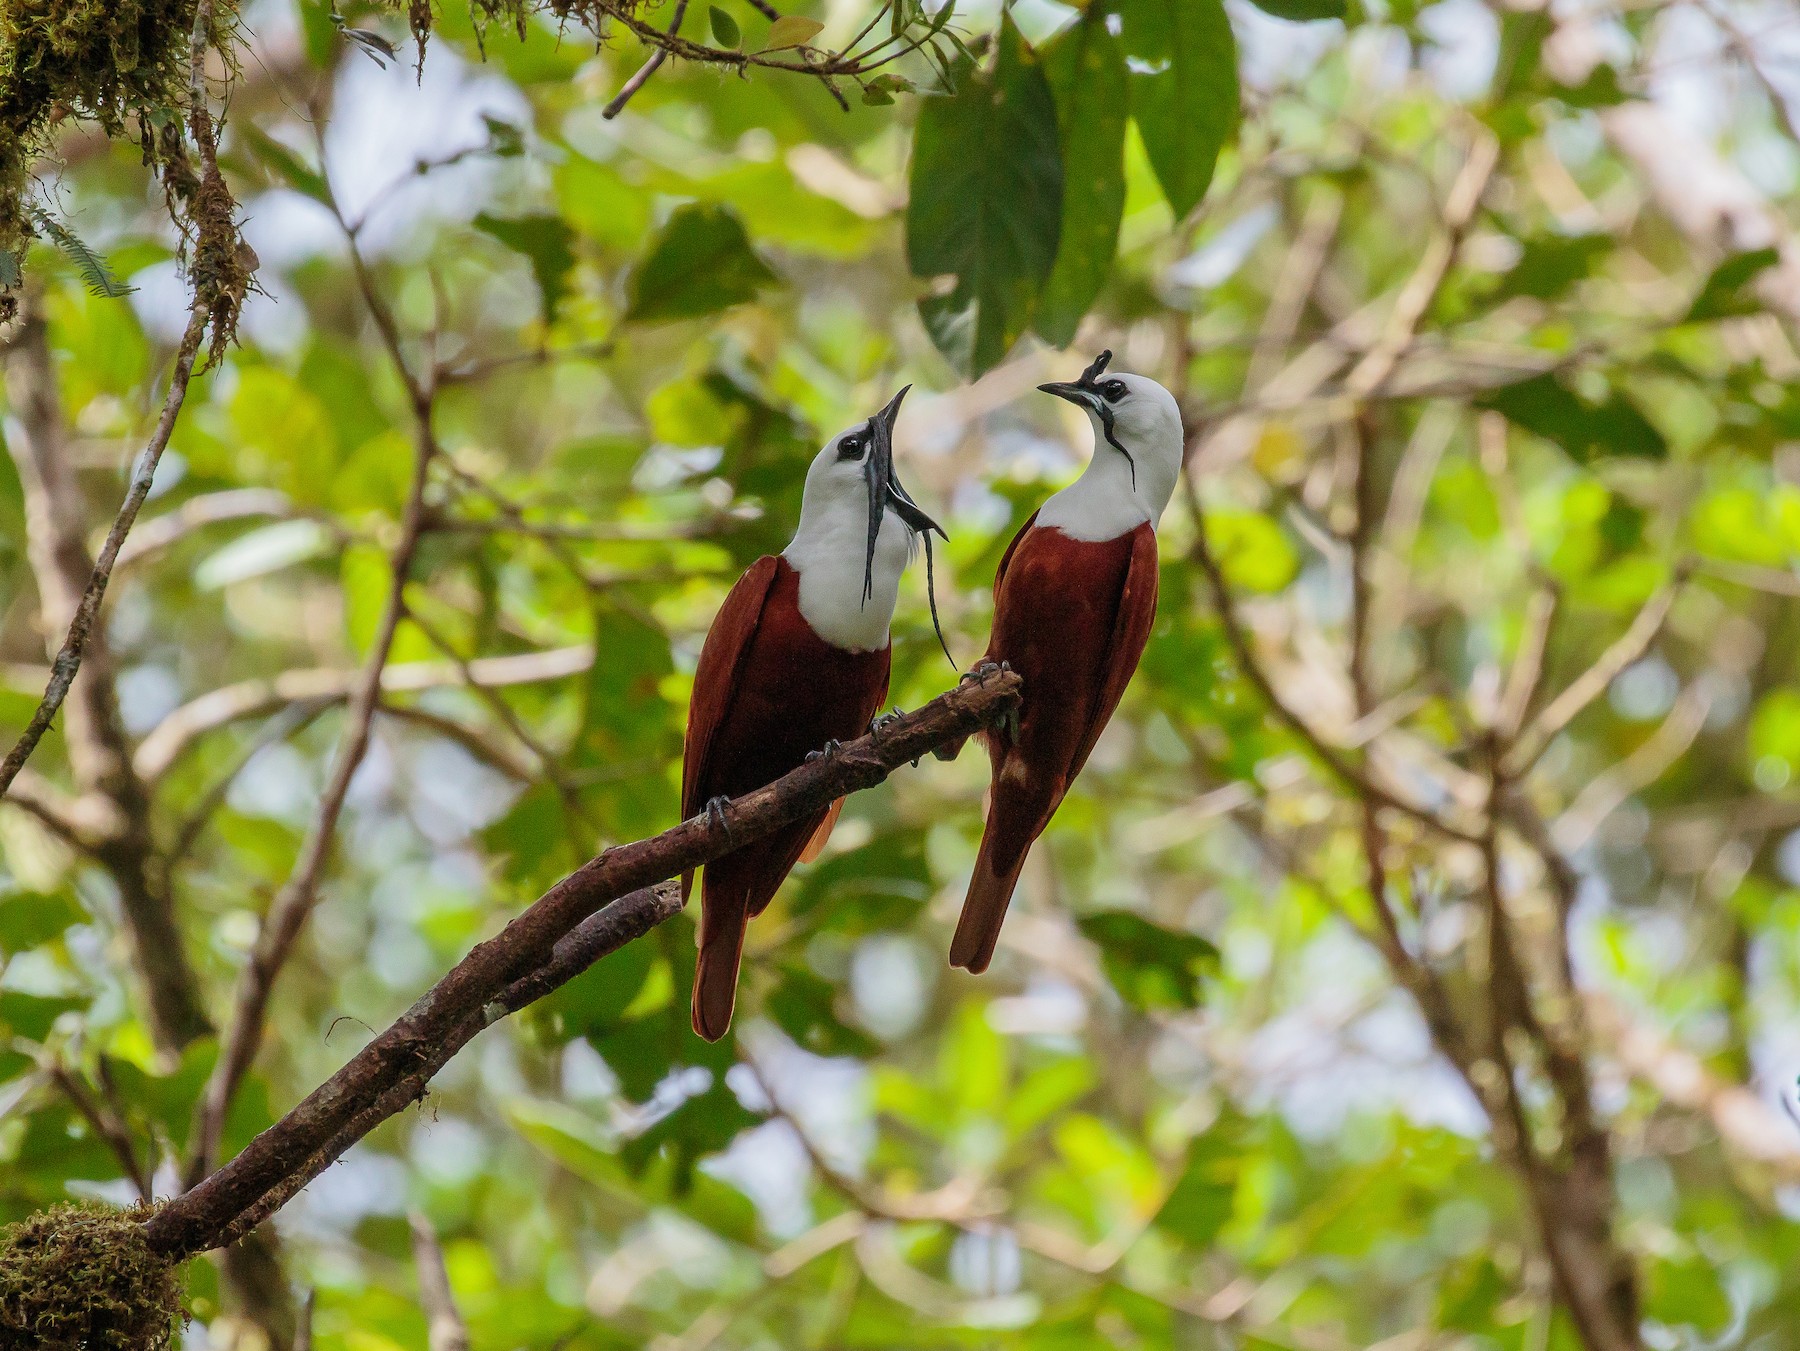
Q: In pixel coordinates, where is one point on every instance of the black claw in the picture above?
(715, 813)
(983, 671)
(882, 721)
(831, 748)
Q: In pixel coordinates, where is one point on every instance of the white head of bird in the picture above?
(855, 535)
(1138, 444)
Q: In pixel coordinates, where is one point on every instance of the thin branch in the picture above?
(553, 940)
(105, 1123)
(111, 810)
(292, 905)
(1421, 288)
(175, 734)
(444, 1326)
(1606, 792)
(143, 474)
(616, 104)
(1238, 640)
(1527, 671)
(236, 504)
(54, 809)
(549, 763)
(283, 725)
(1629, 648)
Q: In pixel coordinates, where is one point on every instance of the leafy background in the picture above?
(1545, 255)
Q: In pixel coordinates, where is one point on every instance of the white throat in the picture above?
(828, 550)
(1105, 502)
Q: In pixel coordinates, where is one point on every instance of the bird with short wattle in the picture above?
(1073, 603)
(796, 660)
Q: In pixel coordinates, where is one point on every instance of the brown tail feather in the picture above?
(722, 923)
(822, 836)
(984, 909)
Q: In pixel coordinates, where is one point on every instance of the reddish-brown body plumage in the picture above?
(767, 690)
(1071, 617)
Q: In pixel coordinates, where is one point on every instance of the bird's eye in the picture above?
(850, 448)
(1113, 390)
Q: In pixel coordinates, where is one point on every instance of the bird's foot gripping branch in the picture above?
(597, 909)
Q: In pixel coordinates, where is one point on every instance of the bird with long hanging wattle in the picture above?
(1073, 603)
(796, 660)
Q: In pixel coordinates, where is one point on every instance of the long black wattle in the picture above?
(878, 495)
(1106, 428)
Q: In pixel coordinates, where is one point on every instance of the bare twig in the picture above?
(1606, 792)
(444, 1326)
(68, 657)
(1628, 648)
(172, 737)
(1328, 755)
(236, 504)
(616, 104)
(292, 905)
(110, 815)
(105, 1123)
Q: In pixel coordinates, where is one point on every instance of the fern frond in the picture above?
(94, 271)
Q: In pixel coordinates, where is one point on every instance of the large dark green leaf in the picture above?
(1549, 408)
(1086, 69)
(1150, 966)
(699, 264)
(544, 240)
(987, 186)
(1184, 90)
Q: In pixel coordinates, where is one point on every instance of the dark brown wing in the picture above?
(1011, 549)
(1137, 612)
(716, 677)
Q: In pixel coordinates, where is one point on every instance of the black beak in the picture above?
(887, 494)
(1072, 390)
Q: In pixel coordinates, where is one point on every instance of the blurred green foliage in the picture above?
(1189, 1106)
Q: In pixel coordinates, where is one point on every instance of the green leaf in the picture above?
(700, 1126)
(94, 271)
(31, 1015)
(505, 141)
(699, 264)
(1184, 90)
(1550, 265)
(1150, 966)
(284, 164)
(725, 29)
(791, 30)
(1203, 1199)
(29, 919)
(1546, 407)
(544, 240)
(880, 91)
(804, 1006)
(1086, 70)
(1726, 291)
(1304, 11)
(593, 1003)
(574, 1140)
(986, 203)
